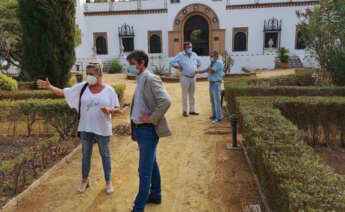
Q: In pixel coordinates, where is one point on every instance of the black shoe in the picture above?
(155, 200)
(212, 117)
(193, 113)
(185, 114)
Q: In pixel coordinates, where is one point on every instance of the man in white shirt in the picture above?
(187, 62)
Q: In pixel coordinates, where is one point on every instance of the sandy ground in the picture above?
(198, 172)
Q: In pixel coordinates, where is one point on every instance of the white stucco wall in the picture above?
(254, 19)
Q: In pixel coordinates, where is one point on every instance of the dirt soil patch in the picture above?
(334, 157)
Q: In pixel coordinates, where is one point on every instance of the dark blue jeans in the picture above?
(150, 179)
(87, 140)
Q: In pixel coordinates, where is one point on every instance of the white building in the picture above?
(241, 27)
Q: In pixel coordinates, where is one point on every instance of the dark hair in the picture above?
(186, 44)
(139, 55)
(215, 53)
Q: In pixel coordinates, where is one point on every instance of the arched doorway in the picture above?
(200, 22)
(196, 30)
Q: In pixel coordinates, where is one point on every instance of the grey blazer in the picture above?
(158, 102)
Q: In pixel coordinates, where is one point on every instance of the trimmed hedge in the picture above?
(250, 86)
(8, 83)
(323, 118)
(27, 94)
(55, 112)
(302, 77)
(44, 94)
(293, 178)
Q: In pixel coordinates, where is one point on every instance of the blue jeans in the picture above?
(215, 96)
(150, 179)
(87, 140)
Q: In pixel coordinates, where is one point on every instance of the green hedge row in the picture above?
(293, 178)
(322, 117)
(55, 112)
(44, 94)
(251, 86)
(302, 77)
(16, 174)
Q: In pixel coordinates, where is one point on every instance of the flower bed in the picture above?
(19, 168)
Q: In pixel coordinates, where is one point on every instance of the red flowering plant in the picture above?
(323, 33)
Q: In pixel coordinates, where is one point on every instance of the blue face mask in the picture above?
(190, 50)
(133, 70)
(212, 60)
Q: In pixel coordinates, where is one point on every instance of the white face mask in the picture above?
(92, 80)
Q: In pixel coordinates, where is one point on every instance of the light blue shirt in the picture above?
(217, 67)
(189, 64)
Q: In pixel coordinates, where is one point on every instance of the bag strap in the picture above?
(81, 93)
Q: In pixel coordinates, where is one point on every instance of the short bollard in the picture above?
(233, 121)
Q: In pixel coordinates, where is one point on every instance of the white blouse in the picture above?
(92, 119)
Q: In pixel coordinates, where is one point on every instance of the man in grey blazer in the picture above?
(150, 103)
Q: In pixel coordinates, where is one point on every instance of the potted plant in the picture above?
(284, 57)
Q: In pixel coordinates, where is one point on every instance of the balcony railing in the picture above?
(124, 5)
(243, 2)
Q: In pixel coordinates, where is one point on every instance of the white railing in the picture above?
(241, 2)
(125, 5)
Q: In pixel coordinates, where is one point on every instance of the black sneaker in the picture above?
(212, 118)
(185, 114)
(193, 113)
(155, 200)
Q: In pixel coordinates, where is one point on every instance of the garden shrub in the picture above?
(293, 178)
(7, 83)
(120, 91)
(44, 94)
(251, 86)
(55, 112)
(115, 66)
(27, 94)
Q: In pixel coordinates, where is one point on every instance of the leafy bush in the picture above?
(323, 33)
(283, 55)
(120, 91)
(115, 66)
(293, 178)
(159, 70)
(7, 83)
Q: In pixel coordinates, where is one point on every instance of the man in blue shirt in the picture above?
(215, 76)
(187, 62)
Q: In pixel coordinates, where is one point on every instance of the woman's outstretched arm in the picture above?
(46, 85)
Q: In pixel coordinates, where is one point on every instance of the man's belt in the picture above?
(213, 82)
(141, 125)
(188, 76)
